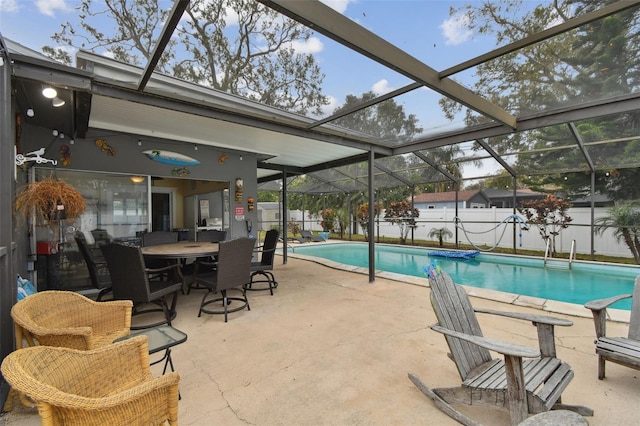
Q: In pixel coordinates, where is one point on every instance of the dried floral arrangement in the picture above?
(45, 196)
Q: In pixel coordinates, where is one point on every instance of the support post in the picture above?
(372, 243)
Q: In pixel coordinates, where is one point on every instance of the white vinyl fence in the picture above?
(483, 229)
(487, 227)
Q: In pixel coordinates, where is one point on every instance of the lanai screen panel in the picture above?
(592, 62)
(612, 142)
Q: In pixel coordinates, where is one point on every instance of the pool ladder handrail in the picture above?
(572, 252)
(546, 251)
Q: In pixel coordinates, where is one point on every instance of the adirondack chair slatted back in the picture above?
(454, 311)
(634, 322)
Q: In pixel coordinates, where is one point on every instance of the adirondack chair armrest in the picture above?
(534, 318)
(545, 327)
(599, 310)
(504, 348)
(598, 305)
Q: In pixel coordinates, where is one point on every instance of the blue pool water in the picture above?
(585, 281)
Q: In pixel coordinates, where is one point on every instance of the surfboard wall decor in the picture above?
(170, 157)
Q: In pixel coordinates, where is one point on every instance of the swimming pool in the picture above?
(513, 274)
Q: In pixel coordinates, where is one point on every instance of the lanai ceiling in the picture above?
(106, 95)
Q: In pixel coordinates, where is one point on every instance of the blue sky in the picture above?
(423, 28)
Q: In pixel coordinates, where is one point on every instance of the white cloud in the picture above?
(49, 7)
(337, 5)
(327, 110)
(381, 87)
(71, 51)
(8, 5)
(455, 30)
(311, 46)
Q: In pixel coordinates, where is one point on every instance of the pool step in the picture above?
(557, 264)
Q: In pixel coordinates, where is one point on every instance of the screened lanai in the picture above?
(483, 122)
(355, 95)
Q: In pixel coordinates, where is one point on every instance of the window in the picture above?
(114, 202)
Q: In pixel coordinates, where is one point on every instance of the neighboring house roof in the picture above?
(520, 193)
(600, 199)
(442, 197)
(269, 205)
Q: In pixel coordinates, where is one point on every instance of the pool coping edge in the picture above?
(547, 305)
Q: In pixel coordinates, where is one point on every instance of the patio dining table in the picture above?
(181, 250)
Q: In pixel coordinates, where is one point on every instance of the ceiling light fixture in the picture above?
(30, 112)
(139, 142)
(49, 92)
(195, 147)
(57, 102)
(54, 132)
(137, 179)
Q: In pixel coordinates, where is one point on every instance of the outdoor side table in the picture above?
(162, 337)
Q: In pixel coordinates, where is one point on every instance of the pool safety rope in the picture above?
(522, 222)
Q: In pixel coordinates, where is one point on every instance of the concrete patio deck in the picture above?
(330, 348)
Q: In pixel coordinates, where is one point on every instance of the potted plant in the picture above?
(52, 200)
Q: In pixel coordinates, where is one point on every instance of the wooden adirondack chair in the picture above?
(519, 387)
(621, 350)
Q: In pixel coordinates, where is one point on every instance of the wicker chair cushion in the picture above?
(111, 385)
(68, 319)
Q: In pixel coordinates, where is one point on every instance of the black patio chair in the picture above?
(155, 238)
(96, 264)
(100, 236)
(309, 236)
(264, 266)
(232, 271)
(207, 236)
(211, 236)
(132, 280)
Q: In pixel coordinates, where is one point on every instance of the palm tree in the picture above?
(626, 221)
(441, 234)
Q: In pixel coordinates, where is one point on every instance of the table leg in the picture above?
(167, 362)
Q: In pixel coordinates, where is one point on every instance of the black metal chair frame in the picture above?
(265, 265)
(232, 272)
(309, 236)
(131, 280)
(94, 265)
(155, 238)
(210, 236)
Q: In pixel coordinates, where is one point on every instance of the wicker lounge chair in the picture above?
(111, 385)
(67, 319)
(71, 320)
(521, 387)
